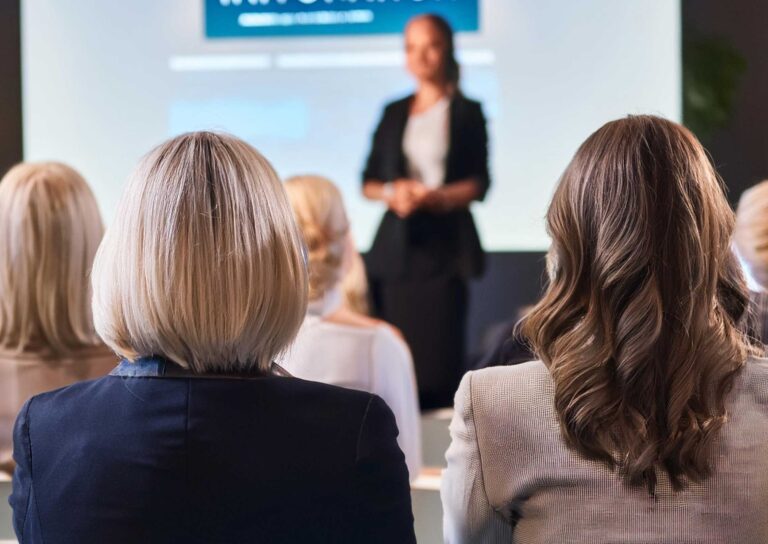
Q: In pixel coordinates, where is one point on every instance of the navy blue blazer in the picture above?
(152, 453)
(426, 244)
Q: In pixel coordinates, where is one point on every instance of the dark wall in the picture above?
(511, 281)
(739, 149)
(10, 84)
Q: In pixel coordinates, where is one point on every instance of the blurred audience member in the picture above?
(50, 228)
(337, 345)
(751, 241)
(504, 344)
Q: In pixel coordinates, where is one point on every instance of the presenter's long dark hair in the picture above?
(452, 72)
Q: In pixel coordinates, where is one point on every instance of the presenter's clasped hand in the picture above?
(435, 200)
(406, 197)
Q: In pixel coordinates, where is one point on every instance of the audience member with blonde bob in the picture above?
(646, 418)
(197, 436)
(50, 228)
(751, 242)
(337, 345)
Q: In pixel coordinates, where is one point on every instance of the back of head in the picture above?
(639, 322)
(751, 233)
(50, 229)
(203, 264)
(319, 211)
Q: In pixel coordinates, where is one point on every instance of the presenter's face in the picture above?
(424, 51)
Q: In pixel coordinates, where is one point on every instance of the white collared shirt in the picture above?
(425, 144)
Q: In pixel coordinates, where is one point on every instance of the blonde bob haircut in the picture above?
(319, 210)
(204, 264)
(50, 228)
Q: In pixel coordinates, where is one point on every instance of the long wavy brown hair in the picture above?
(639, 323)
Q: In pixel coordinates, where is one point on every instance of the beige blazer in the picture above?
(511, 478)
(25, 374)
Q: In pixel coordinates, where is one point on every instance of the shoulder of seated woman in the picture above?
(349, 318)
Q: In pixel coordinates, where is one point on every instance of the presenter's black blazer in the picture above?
(152, 454)
(428, 244)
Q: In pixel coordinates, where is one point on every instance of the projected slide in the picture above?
(548, 73)
(239, 18)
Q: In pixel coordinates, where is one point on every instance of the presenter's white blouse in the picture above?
(425, 144)
(370, 359)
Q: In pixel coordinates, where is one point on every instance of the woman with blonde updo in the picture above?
(751, 241)
(50, 227)
(337, 345)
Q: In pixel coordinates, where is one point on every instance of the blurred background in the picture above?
(97, 83)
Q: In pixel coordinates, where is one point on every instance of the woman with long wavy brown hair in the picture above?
(646, 419)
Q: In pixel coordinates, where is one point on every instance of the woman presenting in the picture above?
(428, 162)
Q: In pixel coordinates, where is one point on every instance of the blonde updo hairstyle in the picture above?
(320, 213)
(751, 233)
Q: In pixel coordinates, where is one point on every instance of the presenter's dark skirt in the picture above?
(432, 314)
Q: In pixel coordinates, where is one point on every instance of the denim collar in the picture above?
(159, 367)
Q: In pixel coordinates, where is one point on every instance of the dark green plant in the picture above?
(712, 73)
